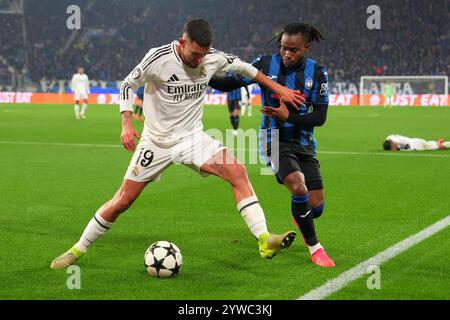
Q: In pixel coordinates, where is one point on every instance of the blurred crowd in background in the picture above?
(414, 38)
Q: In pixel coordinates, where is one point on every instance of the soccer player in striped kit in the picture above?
(298, 168)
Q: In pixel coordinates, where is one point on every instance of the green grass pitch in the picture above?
(373, 200)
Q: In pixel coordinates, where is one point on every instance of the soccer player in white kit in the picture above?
(80, 88)
(175, 77)
(397, 142)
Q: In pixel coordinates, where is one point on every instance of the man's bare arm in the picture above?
(128, 131)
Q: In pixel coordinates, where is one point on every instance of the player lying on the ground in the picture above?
(397, 142)
(176, 77)
(298, 168)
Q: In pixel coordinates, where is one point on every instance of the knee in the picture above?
(235, 173)
(297, 188)
(295, 182)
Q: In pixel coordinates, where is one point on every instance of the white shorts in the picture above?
(150, 160)
(80, 96)
(422, 145)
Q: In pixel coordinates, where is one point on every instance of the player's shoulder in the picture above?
(215, 54)
(164, 47)
(263, 61)
(317, 65)
(320, 71)
(161, 53)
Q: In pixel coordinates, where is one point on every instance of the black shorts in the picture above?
(233, 105)
(291, 159)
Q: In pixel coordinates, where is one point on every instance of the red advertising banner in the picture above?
(221, 99)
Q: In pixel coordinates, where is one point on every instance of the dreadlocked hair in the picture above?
(309, 33)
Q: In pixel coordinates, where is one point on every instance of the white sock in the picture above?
(94, 230)
(314, 248)
(77, 110)
(83, 108)
(253, 215)
(446, 144)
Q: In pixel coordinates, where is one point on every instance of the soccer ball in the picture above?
(163, 259)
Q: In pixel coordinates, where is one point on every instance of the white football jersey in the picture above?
(174, 93)
(413, 144)
(402, 142)
(80, 83)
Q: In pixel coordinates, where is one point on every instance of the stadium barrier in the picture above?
(221, 99)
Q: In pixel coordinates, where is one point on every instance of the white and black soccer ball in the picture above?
(163, 259)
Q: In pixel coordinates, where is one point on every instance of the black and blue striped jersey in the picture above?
(311, 79)
(234, 94)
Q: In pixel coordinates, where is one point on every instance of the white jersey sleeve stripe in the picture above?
(163, 53)
(155, 53)
(127, 88)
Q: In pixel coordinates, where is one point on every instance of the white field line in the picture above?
(356, 153)
(336, 284)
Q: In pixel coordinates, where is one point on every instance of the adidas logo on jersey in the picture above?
(173, 78)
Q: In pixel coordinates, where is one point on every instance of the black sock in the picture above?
(303, 215)
(234, 122)
(139, 111)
